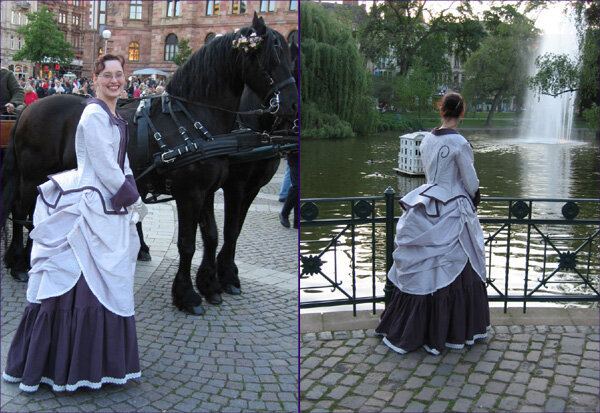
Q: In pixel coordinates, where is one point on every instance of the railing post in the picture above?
(389, 240)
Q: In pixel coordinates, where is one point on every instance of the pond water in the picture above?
(506, 166)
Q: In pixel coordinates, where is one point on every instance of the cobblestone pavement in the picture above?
(239, 356)
(517, 368)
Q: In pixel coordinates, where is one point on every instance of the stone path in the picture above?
(528, 368)
(239, 356)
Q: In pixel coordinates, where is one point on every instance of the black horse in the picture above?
(209, 85)
(243, 183)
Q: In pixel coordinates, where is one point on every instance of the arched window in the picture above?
(293, 37)
(171, 46)
(134, 52)
(209, 38)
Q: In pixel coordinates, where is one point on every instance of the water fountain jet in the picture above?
(549, 119)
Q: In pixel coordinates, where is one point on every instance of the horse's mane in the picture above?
(217, 66)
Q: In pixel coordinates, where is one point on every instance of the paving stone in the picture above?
(555, 405)
(449, 393)
(462, 405)
(438, 406)
(486, 401)
(353, 402)
(401, 398)
(495, 387)
(516, 389)
(509, 403)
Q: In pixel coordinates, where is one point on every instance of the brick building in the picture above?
(146, 33)
(71, 20)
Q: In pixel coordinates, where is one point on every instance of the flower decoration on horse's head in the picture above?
(247, 43)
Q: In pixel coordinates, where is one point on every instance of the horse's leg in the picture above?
(206, 279)
(184, 296)
(15, 257)
(237, 203)
(144, 252)
(23, 211)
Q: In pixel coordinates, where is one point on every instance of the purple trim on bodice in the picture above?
(440, 132)
(120, 123)
(62, 192)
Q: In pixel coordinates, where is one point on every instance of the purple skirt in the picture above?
(72, 341)
(453, 316)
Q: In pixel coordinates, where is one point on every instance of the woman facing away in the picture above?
(439, 298)
(78, 329)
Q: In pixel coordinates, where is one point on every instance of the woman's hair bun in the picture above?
(452, 105)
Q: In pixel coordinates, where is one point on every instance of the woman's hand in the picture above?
(139, 210)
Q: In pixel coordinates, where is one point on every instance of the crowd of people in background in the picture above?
(36, 88)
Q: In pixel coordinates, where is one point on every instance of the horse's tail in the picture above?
(9, 178)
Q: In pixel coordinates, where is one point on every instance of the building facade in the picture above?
(14, 16)
(145, 33)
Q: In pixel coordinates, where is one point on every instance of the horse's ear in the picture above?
(259, 24)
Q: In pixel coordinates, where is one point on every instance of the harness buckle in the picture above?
(157, 136)
(182, 130)
(163, 157)
(274, 104)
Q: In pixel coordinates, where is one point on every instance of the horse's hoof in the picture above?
(144, 256)
(20, 276)
(198, 310)
(214, 299)
(190, 309)
(232, 289)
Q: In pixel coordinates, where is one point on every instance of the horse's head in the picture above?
(267, 67)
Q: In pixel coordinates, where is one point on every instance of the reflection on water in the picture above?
(506, 167)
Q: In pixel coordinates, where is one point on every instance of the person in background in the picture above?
(291, 201)
(439, 298)
(30, 95)
(285, 185)
(13, 96)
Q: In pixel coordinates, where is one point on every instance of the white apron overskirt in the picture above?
(73, 234)
(433, 242)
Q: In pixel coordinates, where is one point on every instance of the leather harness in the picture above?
(240, 146)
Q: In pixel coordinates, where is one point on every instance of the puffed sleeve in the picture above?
(99, 143)
(466, 167)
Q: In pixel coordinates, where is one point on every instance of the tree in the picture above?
(44, 42)
(416, 90)
(557, 73)
(498, 69)
(183, 52)
(334, 91)
(399, 32)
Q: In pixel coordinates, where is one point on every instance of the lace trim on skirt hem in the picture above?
(71, 387)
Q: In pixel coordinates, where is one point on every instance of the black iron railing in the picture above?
(538, 249)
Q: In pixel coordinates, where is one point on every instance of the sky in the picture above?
(548, 20)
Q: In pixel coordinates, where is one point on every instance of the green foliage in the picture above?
(415, 91)
(556, 74)
(388, 123)
(183, 52)
(335, 87)
(592, 116)
(396, 34)
(323, 125)
(499, 68)
(43, 40)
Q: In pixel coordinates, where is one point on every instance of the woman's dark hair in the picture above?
(452, 105)
(99, 64)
